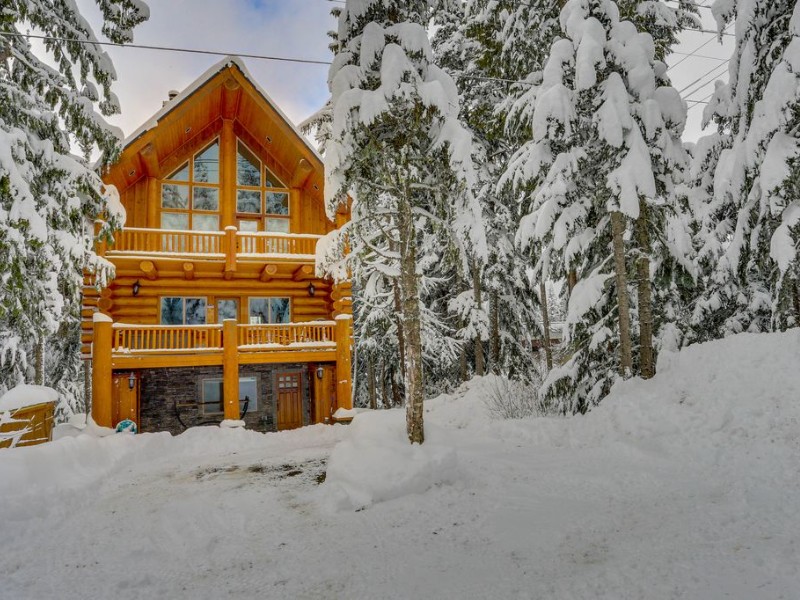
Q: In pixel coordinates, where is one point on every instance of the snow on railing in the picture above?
(134, 240)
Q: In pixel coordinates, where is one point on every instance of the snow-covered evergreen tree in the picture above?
(49, 198)
(490, 48)
(399, 150)
(749, 216)
(604, 159)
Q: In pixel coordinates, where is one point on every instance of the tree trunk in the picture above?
(410, 317)
(647, 364)
(495, 317)
(373, 394)
(572, 281)
(623, 306)
(401, 341)
(548, 352)
(397, 400)
(463, 371)
(476, 290)
(38, 363)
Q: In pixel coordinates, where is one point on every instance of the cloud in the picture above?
(290, 28)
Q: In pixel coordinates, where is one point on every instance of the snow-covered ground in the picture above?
(687, 486)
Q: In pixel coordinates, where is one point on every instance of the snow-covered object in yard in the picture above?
(376, 463)
(605, 128)
(24, 395)
(748, 216)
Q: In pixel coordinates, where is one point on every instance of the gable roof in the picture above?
(226, 87)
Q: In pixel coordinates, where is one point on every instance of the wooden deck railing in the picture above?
(182, 338)
(276, 243)
(231, 243)
(318, 333)
(132, 240)
(166, 338)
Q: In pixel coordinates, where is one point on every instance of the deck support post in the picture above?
(230, 252)
(344, 386)
(101, 370)
(230, 369)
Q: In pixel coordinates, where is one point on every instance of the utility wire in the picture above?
(50, 38)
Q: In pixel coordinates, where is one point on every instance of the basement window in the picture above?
(211, 402)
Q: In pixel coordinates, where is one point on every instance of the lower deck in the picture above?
(272, 397)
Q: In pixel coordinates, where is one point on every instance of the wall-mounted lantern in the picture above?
(311, 289)
(320, 372)
(131, 381)
(136, 287)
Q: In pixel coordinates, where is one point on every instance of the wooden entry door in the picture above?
(289, 388)
(125, 403)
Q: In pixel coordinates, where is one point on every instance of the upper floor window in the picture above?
(262, 200)
(190, 195)
(183, 311)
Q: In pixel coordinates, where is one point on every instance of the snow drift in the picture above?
(376, 463)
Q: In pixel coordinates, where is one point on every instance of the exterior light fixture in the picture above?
(311, 289)
(136, 287)
(131, 381)
(320, 372)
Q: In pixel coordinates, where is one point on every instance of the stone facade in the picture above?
(170, 397)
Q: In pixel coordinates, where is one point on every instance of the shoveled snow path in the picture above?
(523, 522)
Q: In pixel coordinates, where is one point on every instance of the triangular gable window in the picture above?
(262, 200)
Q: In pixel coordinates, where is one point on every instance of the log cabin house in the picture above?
(216, 311)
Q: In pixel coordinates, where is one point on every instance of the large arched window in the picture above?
(262, 200)
(190, 195)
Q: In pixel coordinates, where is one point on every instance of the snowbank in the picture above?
(27, 395)
(376, 463)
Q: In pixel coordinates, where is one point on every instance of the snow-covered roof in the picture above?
(226, 62)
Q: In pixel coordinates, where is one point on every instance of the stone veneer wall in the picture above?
(161, 388)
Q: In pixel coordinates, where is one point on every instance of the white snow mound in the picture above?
(376, 462)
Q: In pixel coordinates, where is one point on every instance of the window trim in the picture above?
(191, 184)
(269, 305)
(184, 298)
(252, 406)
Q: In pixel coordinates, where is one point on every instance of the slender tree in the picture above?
(398, 149)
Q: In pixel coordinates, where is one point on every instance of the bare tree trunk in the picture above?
(463, 371)
(373, 395)
(476, 290)
(495, 318)
(395, 388)
(401, 341)
(548, 351)
(623, 306)
(38, 364)
(647, 364)
(411, 322)
(572, 281)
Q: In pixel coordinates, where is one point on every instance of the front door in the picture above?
(290, 400)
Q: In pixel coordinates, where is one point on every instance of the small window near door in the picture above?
(211, 402)
(269, 310)
(227, 308)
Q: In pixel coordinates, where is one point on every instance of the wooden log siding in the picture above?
(317, 334)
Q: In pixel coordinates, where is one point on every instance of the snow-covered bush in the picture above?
(511, 399)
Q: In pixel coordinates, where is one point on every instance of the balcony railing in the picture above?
(224, 244)
(316, 334)
(135, 339)
(166, 338)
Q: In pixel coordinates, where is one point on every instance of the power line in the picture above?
(306, 61)
(703, 76)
